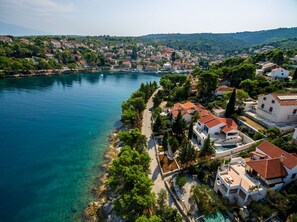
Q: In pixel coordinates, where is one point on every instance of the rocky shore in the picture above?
(101, 208)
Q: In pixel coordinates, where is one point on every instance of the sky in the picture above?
(141, 17)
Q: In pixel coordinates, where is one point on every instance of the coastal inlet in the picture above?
(53, 131)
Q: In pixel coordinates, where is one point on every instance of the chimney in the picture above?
(282, 157)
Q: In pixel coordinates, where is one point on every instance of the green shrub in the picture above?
(181, 180)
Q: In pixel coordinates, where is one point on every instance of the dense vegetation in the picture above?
(265, 36)
(213, 43)
(283, 202)
(133, 107)
(224, 43)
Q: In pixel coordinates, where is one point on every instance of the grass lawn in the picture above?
(252, 123)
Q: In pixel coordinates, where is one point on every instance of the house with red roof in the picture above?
(268, 169)
(272, 165)
(220, 130)
(221, 90)
(56, 43)
(5, 39)
(187, 110)
(278, 108)
(126, 64)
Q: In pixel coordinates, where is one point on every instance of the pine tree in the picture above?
(179, 126)
(295, 75)
(165, 141)
(190, 134)
(230, 109)
(207, 148)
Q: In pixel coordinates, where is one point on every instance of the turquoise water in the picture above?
(224, 148)
(53, 133)
(216, 217)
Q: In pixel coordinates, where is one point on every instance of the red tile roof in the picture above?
(213, 122)
(188, 105)
(189, 108)
(206, 119)
(230, 124)
(268, 168)
(203, 112)
(273, 151)
(286, 102)
(224, 88)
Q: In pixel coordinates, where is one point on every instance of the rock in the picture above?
(90, 212)
(107, 208)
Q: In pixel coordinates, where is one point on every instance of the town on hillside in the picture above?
(37, 55)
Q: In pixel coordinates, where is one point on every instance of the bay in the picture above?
(53, 133)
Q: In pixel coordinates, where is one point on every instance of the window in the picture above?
(293, 176)
(270, 109)
(294, 111)
(264, 98)
(272, 101)
(262, 106)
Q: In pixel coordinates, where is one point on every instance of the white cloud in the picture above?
(34, 8)
(37, 14)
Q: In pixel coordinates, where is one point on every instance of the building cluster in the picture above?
(138, 57)
(272, 71)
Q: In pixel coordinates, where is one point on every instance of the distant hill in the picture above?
(260, 37)
(198, 42)
(9, 29)
(224, 43)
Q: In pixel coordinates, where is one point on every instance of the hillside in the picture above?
(205, 42)
(265, 36)
(224, 43)
(9, 29)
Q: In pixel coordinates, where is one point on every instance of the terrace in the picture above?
(217, 138)
(234, 182)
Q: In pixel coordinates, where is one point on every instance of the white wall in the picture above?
(278, 114)
(290, 173)
(295, 134)
(280, 73)
(215, 129)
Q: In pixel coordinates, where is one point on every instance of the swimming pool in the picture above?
(215, 217)
(224, 148)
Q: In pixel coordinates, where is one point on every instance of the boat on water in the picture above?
(101, 75)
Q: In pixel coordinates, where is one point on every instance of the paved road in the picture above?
(147, 131)
(154, 167)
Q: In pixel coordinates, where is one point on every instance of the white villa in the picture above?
(278, 108)
(279, 73)
(221, 130)
(243, 180)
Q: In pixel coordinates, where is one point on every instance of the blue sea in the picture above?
(53, 134)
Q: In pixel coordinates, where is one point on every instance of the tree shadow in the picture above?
(151, 143)
(156, 173)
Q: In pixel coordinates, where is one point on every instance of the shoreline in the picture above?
(100, 190)
(91, 70)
